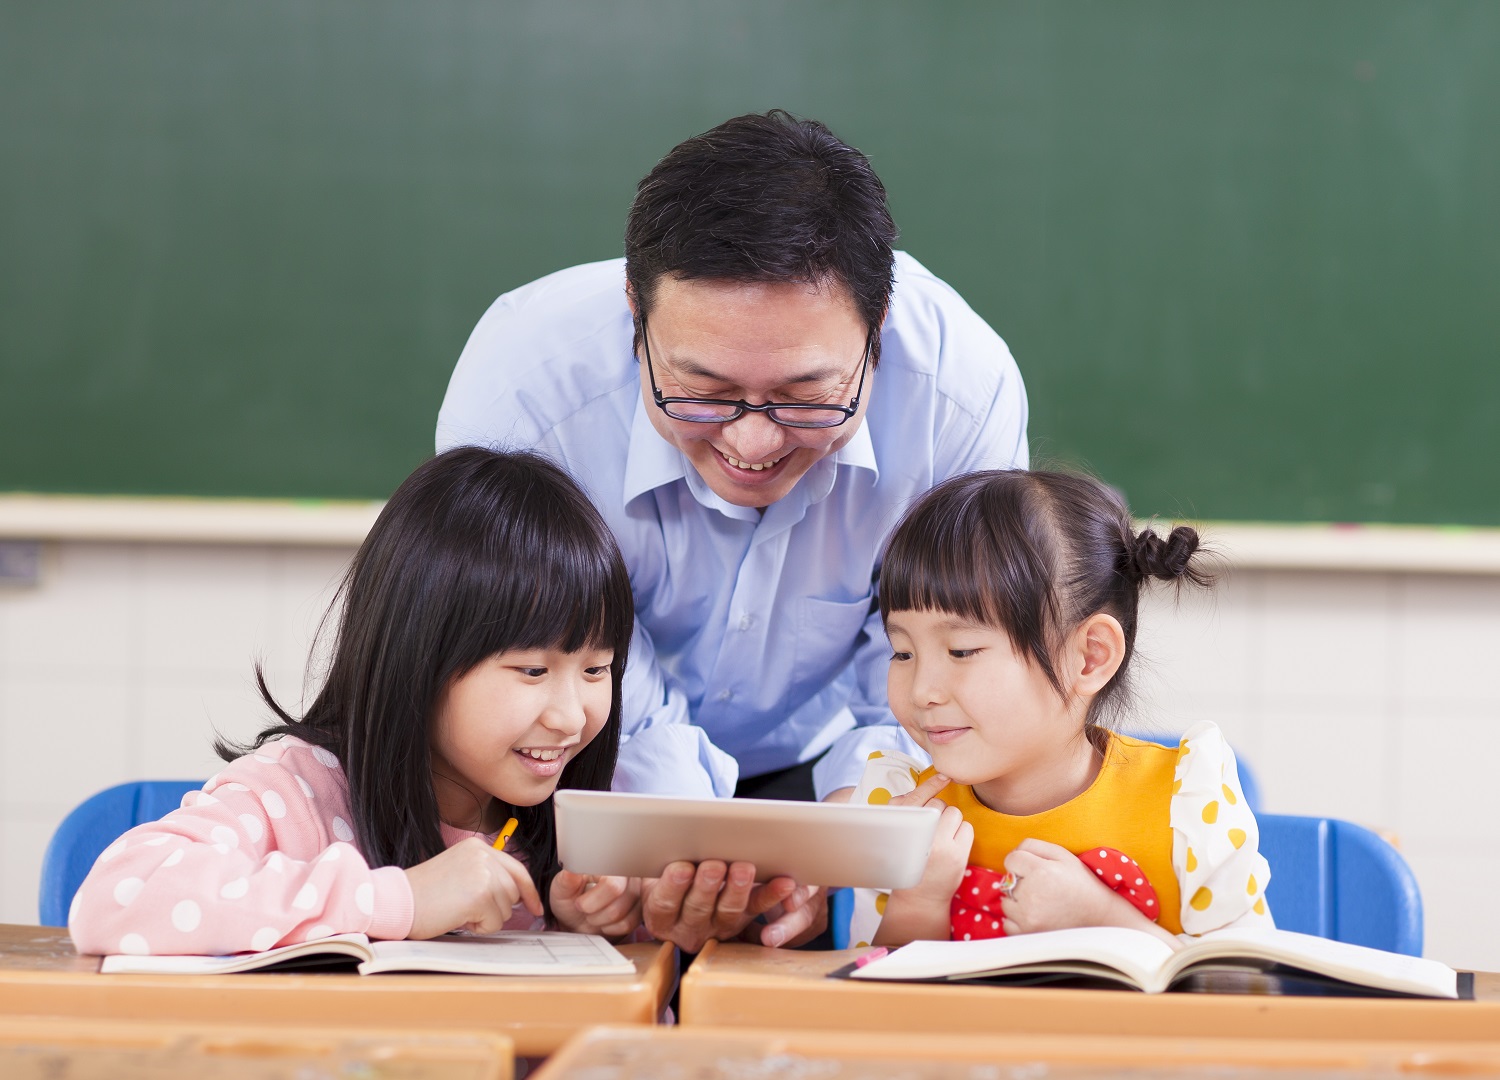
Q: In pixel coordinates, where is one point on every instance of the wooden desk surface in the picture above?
(54, 1048)
(705, 1053)
(41, 975)
(737, 985)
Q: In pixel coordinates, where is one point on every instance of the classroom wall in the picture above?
(1355, 694)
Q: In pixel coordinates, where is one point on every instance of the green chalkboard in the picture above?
(1247, 254)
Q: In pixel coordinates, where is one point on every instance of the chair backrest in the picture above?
(91, 827)
(1339, 880)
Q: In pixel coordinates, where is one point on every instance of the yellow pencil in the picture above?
(510, 827)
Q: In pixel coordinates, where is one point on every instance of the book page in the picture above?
(510, 952)
(1138, 956)
(352, 945)
(1335, 959)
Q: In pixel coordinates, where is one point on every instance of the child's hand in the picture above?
(471, 886)
(921, 912)
(1054, 890)
(609, 906)
(925, 793)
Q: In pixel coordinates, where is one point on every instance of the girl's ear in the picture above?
(1098, 652)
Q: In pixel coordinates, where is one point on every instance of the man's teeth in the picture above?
(755, 467)
(543, 755)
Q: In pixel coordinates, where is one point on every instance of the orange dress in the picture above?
(1178, 812)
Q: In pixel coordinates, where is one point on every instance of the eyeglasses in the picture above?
(788, 414)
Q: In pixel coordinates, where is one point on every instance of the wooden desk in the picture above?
(735, 1053)
(49, 1048)
(41, 975)
(735, 985)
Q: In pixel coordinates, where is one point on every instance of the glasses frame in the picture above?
(742, 407)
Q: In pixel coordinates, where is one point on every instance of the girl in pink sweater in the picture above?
(477, 668)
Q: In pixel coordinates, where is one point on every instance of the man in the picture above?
(751, 399)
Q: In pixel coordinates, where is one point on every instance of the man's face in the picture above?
(756, 343)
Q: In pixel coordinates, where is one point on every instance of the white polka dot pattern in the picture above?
(268, 855)
(134, 945)
(186, 915)
(252, 826)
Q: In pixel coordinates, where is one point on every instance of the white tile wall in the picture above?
(1359, 695)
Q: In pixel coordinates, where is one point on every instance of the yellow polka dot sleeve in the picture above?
(887, 775)
(1215, 841)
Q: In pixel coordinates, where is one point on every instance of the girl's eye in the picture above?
(962, 654)
(596, 672)
(533, 672)
(895, 656)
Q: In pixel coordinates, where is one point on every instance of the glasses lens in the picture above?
(809, 418)
(700, 412)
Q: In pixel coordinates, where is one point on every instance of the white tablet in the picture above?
(832, 844)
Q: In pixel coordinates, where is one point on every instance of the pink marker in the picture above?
(873, 954)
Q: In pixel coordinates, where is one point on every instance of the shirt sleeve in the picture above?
(1215, 840)
(662, 752)
(246, 864)
(886, 776)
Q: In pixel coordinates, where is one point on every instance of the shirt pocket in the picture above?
(828, 632)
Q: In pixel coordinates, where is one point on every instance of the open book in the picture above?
(1138, 959)
(510, 952)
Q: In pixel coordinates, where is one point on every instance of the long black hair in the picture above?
(1034, 553)
(476, 553)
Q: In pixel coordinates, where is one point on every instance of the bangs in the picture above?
(568, 596)
(554, 580)
(972, 548)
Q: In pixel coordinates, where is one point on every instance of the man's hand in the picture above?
(608, 906)
(689, 906)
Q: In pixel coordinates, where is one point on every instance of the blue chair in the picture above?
(1339, 880)
(91, 827)
(1329, 877)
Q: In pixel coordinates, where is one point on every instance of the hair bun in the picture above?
(1169, 558)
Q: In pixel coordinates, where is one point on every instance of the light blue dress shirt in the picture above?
(758, 641)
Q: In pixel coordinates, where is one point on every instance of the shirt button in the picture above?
(725, 695)
(747, 621)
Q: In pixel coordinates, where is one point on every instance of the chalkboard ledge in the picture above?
(117, 518)
(1244, 545)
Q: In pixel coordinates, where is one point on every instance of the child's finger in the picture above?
(568, 886)
(598, 893)
(1044, 849)
(1021, 862)
(923, 791)
(520, 879)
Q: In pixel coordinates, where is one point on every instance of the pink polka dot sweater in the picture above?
(262, 856)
